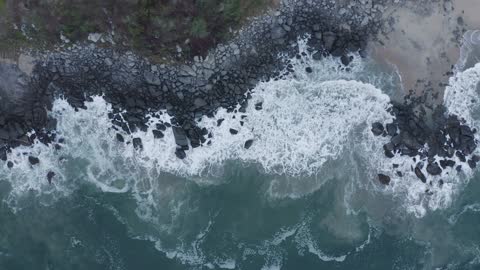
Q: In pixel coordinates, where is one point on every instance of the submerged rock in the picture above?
(33, 160)
(384, 179)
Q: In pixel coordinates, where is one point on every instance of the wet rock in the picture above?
(10, 164)
(233, 131)
(308, 70)
(50, 176)
(389, 154)
(161, 127)
(180, 137)
(461, 156)
(384, 179)
(447, 163)
(199, 102)
(391, 129)
(434, 169)
(346, 60)
(328, 40)
(120, 138)
(472, 164)
(220, 121)
(157, 134)
(420, 175)
(258, 106)
(377, 129)
(33, 160)
(180, 153)
(137, 143)
(440, 183)
(248, 144)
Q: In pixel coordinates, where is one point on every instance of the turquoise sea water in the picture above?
(305, 196)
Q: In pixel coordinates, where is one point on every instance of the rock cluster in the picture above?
(136, 88)
(436, 143)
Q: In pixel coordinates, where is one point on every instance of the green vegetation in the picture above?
(151, 27)
(3, 5)
(199, 28)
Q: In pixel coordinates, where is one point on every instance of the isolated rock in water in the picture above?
(259, 106)
(308, 69)
(10, 164)
(220, 121)
(33, 160)
(248, 144)
(434, 169)
(384, 179)
(50, 176)
(120, 138)
(420, 175)
(447, 163)
(233, 131)
(137, 143)
(377, 129)
(180, 153)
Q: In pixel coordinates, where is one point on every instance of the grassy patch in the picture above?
(3, 5)
(199, 28)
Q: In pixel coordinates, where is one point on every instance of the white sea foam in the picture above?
(307, 121)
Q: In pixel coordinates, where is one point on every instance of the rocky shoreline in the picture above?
(223, 79)
(434, 142)
(135, 87)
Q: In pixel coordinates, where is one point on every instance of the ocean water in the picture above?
(304, 196)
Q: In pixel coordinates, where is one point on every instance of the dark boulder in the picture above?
(161, 127)
(472, 163)
(220, 121)
(50, 176)
(258, 106)
(157, 134)
(461, 156)
(137, 143)
(377, 129)
(434, 169)
(389, 154)
(308, 69)
(447, 163)
(180, 153)
(248, 144)
(346, 60)
(233, 131)
(10, 164)
(180, 137)
(33, 160)
(391, 129)
(420, 175)
(384, 179)
(120, 137)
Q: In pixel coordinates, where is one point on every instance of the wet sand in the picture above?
(424, 42)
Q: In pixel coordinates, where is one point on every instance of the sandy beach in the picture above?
(424, 42)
